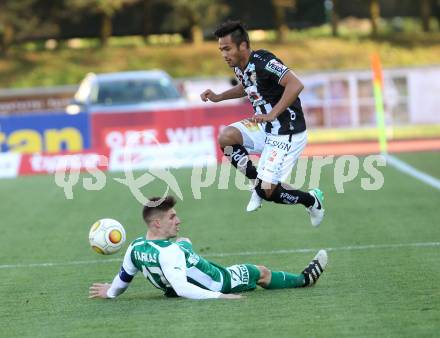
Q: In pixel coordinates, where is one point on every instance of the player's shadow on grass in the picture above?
(142, 297)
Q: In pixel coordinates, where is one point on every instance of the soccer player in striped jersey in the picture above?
(277, 131)
(177, 270)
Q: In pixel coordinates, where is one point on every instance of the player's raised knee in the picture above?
(229, 136)
(265, 190)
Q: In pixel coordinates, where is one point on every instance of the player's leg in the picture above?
(240, 278)
(234, 141)
(316, 267)
(276, 163)
(237, 141)
(282, 280)
(282, 193)
(279, 279)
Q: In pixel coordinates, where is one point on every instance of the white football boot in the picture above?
(316, 211)
(255, 202)
(315, 269)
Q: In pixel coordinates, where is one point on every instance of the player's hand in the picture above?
(230, 296)
(260, 118)
(99, 290)
(208, 94)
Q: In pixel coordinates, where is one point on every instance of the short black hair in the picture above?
(236, 29)
(157, 204)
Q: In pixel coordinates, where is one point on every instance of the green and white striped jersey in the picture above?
(176, 269)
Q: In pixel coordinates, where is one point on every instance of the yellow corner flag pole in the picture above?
(378, 99)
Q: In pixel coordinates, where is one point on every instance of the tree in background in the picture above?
(8, 16)
(147, 17)
(374, 16)
(280, 7)
(195, 15)
(331, 10)
(425, 13)
(106, 9)
(21, 20)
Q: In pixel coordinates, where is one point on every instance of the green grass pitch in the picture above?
(376, 284)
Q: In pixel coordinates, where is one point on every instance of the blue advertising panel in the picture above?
(51, 133)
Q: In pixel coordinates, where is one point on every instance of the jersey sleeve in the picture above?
(172, 262)
(127, 264)
(185, 244)
(126, 274)
(272, 68)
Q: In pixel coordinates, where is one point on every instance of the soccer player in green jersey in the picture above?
(177, 270)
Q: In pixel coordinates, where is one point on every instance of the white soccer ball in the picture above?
(107, 236)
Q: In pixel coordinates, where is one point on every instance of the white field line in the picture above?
(244, 253)
(410, 170)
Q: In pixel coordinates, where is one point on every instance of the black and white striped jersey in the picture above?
(261, 81)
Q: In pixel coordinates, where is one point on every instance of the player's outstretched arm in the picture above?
(233, 93)
(120, 283)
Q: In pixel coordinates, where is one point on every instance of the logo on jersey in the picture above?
(193, 258)
(275, 67)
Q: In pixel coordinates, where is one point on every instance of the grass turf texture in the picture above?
(373, 292)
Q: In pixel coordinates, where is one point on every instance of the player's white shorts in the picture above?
(279, 153)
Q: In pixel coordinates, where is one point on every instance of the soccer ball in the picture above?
(107, 236)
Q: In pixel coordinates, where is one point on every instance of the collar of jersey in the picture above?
(249, 60)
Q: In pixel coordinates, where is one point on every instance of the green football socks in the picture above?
(285, 280)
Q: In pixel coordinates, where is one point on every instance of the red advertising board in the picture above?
(32, 164)
(170, 138)
(183, 126)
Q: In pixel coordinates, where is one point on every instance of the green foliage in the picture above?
(15, 12)
(307, 50)
(201, 12)
(374, 292)
(195, 14)
(28, 19)
(107, 7)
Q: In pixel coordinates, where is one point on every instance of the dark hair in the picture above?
(157, 204)
(236, 29)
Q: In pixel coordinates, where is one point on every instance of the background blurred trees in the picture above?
(106, 9)
(374, 16)
(26, 20)
(280, 9)
(425, 14)
(193, 16)
(332, 9)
